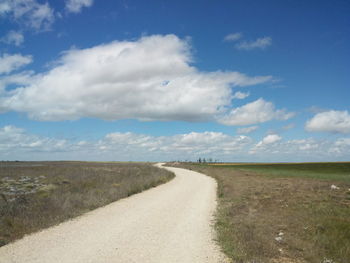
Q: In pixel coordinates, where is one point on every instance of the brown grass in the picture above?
(37, 195)
(314, 221)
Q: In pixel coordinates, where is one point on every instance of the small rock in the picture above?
(334, 187)
(280, 233)
(278, 239)
(326, 260)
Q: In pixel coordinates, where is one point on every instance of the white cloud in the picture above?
(300, 150)
(258, 111)
(343, 142)
(4, 7)
(148, 79)
(9, 63)
(208, 143)
(13, 37)
(241, 95)
(246, 130)
(233, 37)
(15, 140)
(340, 146)
(260, 43)
(16, 143)
(29, 13)
(75, 6)
(185, 145)
(329, 121)
(271, 138)
(22, 78)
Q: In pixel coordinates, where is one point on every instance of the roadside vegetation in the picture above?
(36, 195)
(282, 212)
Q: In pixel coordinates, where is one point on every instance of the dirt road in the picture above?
(169, 223)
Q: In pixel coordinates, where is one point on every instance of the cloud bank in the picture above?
(16, 143)
(151, 78)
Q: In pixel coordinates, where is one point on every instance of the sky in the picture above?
(160, 80)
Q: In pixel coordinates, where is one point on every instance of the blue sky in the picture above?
(174, 80)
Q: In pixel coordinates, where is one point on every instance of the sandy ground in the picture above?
(169, 223)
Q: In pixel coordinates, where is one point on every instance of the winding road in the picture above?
(168, 223)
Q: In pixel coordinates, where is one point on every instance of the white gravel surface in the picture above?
(169, 223)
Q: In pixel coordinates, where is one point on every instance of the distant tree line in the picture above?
(208, 160)
(200, 160)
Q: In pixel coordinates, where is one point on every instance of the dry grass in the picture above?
(36, 195)
(310, 221)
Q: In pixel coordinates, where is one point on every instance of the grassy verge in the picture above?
(322, 171)
(36, 195)
(277, 213)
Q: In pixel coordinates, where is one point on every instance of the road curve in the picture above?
(169, 223)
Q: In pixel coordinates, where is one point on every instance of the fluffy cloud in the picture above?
(302, 150)
(260, 43)
(182, 145)
(271, 138)
(241, 95)
(342, 142)
(14, 140)
(30, 13)
(123, 146)
(233, 37)
(16, 143)
(341, 146)
(22, 78)
(246, 130)
(75, 6)
(258, 111)
(9, 63)
(148, 79)
(329, 121)
(13, 37)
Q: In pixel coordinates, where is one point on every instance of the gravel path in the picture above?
(169, 223)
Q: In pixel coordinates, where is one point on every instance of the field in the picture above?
(323, 171)
(282, 212)
(36, 195)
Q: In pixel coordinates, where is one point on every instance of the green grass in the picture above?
(257, 201)
(321, 171)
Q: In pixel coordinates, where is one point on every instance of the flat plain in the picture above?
(291, 212)
(169, 223)
(37, 195)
